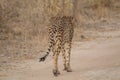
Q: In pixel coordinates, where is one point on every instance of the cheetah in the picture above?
(60, 39)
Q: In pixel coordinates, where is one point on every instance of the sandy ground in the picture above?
(91, 60)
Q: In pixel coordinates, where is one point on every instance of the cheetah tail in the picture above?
(44, 57)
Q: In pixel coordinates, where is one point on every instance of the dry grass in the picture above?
(23, 23)
(22, 28)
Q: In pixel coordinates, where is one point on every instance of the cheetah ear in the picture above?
(52, 19)
(72, 19)
(63, 17)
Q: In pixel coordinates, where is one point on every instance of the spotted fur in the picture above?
(60, 39)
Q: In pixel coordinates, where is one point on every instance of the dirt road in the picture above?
(91, 60)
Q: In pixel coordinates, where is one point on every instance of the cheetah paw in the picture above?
(56, 72)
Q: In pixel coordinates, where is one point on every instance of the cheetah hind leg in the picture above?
(67, 66)
(68, 69)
